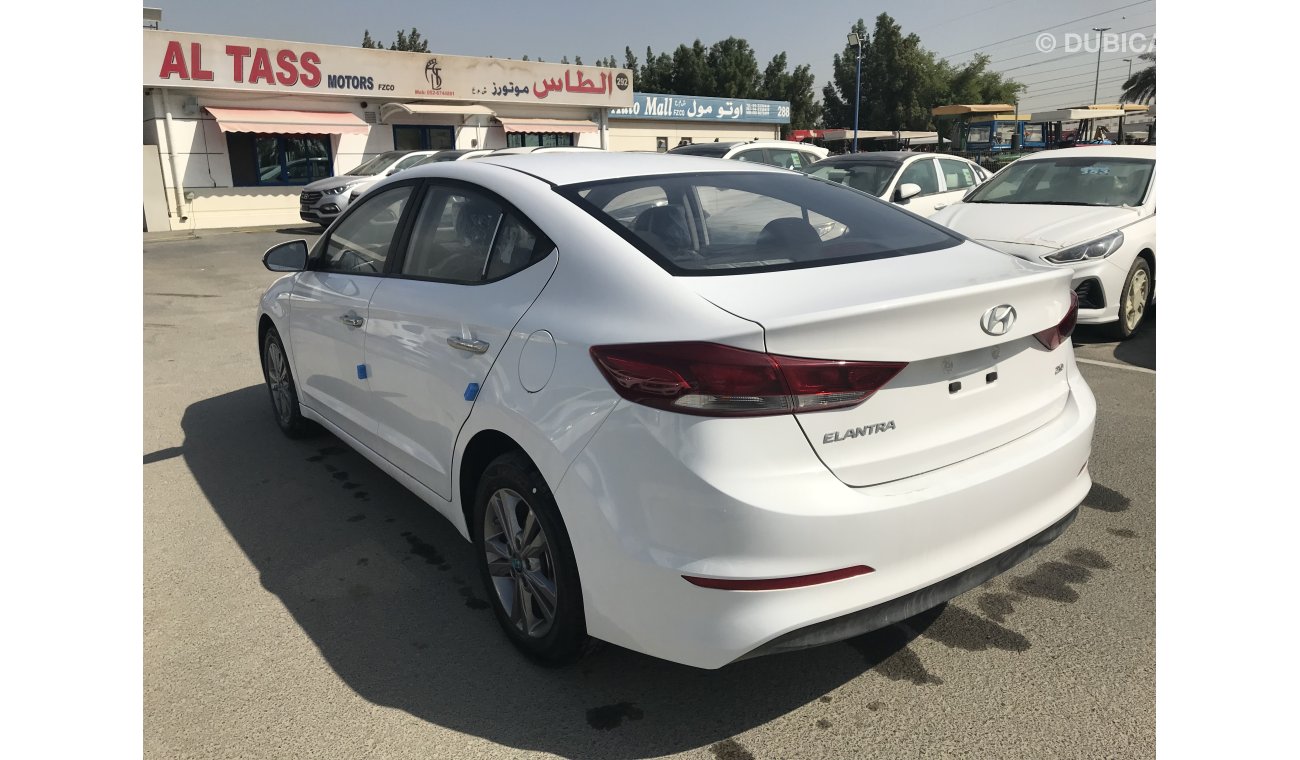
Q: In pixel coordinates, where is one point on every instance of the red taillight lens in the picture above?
(715, 380)
(1055, 336)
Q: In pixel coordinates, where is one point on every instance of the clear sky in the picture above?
(808, 32)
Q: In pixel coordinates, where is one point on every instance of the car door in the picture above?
(472, 267)
(924, 173)
(958, 178)
(328, 311)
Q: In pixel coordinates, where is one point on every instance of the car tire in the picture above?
(1134, 300)
(284, 392)
(526, 562)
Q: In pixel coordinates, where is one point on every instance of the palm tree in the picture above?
(1141, 87)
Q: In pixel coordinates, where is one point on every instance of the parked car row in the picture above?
(1091, 209)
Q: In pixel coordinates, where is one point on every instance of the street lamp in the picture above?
(856, 41)
(1129, 61)
(1097, 82)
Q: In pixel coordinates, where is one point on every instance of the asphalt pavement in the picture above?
(300, 603)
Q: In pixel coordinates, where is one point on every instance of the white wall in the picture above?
(203, 164)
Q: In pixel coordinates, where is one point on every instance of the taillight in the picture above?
(722, 381)
(1055, 336)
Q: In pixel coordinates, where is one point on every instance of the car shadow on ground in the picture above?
(313, 230)
(387, 590)
(1139, 350)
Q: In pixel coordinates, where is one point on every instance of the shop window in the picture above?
(538, 139)
(278, 159)
(419, 137)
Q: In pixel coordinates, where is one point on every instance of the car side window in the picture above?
(921, 173)
(361, 242)
(786, 159)
(958, 175)
(468, 237)
(756, 156)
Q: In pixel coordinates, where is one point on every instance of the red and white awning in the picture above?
(272, 121)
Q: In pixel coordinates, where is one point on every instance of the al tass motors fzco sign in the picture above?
(241, 63)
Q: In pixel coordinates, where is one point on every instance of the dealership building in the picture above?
(234, 126)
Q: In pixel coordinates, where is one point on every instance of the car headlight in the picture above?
(339, 189)
(1093, 249)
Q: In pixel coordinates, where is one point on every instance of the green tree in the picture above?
(902, 81)
(733, 69)
(629, 60)
(796, 87)
(689, 71)
(837, 95)
(411, 43)
(656, 73)
(1141, 87)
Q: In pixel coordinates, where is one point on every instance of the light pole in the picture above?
(856, 41)
(1097, 82)
(1129, 61)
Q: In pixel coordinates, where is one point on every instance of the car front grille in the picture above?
(1090, 295)
(310, 196)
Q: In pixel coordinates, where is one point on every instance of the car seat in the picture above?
(789, 236)
(665, 227)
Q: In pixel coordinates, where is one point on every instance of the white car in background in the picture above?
(783, 153)
(1089, 210)
(701, 431)
(431, 157)
(923, 183)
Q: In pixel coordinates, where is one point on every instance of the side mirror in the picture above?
(907, 190)
(286, 257)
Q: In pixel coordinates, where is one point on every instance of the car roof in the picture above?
(1096, 151)
(594, 166)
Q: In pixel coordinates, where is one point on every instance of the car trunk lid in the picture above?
(964, 391)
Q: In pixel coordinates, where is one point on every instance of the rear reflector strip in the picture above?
(776, 584)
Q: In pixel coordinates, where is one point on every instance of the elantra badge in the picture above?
(858, 432)
(998, 320)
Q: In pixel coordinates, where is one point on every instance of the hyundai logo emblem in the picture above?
(998, 320)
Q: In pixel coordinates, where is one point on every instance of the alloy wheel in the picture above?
(277, 376)
(520, 563)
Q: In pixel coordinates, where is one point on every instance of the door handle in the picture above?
(468, 344)
(352, 320)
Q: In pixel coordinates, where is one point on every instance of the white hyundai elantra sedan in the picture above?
(699, 409)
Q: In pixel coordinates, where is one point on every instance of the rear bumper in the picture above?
(904, 607)
(655, 496)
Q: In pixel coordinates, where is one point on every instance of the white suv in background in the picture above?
(782, 153)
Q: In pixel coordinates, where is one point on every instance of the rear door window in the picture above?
(465, 236)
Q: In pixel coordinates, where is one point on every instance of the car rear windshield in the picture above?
(868, 177)
(735, 223)
(1070, 181)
